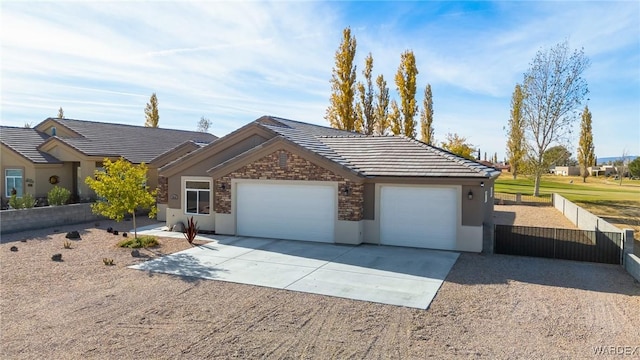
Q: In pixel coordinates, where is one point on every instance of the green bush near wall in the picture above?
(58, 196)
(27, 201)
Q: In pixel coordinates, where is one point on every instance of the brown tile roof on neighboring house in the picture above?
(377, 155)
(25, 142)
(135, 143)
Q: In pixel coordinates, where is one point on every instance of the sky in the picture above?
(234, 61)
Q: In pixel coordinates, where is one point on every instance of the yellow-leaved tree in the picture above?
(121, 189)
(459, 146)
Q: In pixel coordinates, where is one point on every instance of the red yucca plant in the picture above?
(191, 231)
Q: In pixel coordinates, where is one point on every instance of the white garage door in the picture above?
(424, 217)
(286, 211)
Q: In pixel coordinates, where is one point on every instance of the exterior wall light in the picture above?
(223, 187)
(481, 183)
(470, 195)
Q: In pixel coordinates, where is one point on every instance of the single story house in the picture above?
(278, 178)
(64, 152)
(566, 170)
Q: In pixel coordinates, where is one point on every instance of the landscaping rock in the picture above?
(135, 253)
(124, 234)
(14, 248)
(74, 235)
(115, 232)
(109, 229)
(23, 240)
(56, 257)
(178, 227)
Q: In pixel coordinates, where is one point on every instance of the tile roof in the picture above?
(377, 155)
(135, 143)
(400, 156)
(25, 141)
(308, 135)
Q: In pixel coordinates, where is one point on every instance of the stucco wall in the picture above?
(580, 217)
(38, 218)
(64, 173)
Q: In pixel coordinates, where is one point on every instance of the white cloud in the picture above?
(235, 61)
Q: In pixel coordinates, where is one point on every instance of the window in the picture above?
(13, 180)
(197, 197)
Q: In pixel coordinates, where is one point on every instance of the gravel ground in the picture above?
(490, 306)
(522, 215)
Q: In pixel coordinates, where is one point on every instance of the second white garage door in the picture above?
(293, 211)
(424, 217)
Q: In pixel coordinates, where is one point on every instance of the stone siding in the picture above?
(283, 165)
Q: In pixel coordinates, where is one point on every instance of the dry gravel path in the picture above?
(490, 306)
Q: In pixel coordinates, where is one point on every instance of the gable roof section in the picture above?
(181, 163)
(25, 142)
(308, 136)
(377, 155)
(135, 143)
(357, 154)
(275, 144)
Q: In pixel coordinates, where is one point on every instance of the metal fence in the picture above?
(522, 199)
(568, 244)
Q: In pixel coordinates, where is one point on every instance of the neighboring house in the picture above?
(278, 178)
(64, 152)
(566, 170)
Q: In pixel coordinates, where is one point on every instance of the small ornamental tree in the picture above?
(121, 189)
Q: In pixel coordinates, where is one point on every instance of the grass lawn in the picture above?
(605, 197)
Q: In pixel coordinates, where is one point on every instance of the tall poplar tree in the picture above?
(426, 117)
(341, 112)
(60, 113)
(381, 107)
(515, 132)
(586, 149)
(395, 119)
(366, 97)
(406, 86)
(151, 112)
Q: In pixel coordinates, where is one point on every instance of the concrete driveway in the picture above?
(382, 274)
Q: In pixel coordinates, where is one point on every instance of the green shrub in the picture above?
(143, 241)
(58, 196)
(15, 202)
(28, 201)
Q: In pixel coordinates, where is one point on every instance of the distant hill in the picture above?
(615, 158)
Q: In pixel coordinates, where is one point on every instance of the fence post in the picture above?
(555, 240)
(518, 198)
(627, 247)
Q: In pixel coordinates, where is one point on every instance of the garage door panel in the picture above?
(423, 217)
(286, 211)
